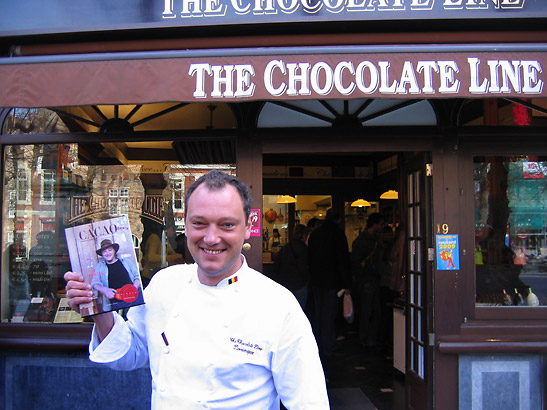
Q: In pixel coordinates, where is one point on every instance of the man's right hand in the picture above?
(77, 291)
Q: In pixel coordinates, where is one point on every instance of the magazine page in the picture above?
(102, 252)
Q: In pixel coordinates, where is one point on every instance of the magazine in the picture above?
(102, 252)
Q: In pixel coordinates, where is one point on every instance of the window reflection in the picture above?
(50, 187)
(510, 201)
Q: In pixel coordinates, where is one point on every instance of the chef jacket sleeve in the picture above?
(296, 367)
(124, 348)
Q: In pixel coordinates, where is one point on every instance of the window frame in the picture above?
(474, 143)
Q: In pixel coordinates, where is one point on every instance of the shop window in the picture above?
(51, 187)
(503, 112)
(510, 203)
(118, 118)
(346, 114)
(33, 121)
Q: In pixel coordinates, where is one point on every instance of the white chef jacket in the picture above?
(242, 344)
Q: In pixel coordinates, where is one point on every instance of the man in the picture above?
(366, 267)
(112, 273)
(157, 253)
(328, 259)
(291, 265)
(216, 334)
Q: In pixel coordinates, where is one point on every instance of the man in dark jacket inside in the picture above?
(329, 273)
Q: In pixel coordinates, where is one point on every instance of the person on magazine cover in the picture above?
(216, 333)
(113, 272)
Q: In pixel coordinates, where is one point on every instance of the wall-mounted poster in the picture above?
(448, 252)
(256, 229)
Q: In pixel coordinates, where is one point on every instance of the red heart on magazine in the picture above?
(128, 293)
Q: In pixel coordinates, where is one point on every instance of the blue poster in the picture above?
(448, 252)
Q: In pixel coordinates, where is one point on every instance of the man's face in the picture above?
(215, 230)
(109, 254)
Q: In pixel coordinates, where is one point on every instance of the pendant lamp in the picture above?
(391, 194)
(286, 199)
(360, 203)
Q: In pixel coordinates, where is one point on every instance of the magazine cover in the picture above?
(102, 252)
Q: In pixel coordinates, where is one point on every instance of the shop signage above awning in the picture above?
(32, 17)
(285, 75)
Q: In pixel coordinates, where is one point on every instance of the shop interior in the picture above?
(297, 188)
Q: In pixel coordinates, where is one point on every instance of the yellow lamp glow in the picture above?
(286, 199)
(360, 203)
(391, 194)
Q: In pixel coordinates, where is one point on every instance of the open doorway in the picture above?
(355, 183)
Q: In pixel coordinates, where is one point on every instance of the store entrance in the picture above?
(299, 189)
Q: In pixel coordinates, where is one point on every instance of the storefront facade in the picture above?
(118, 111)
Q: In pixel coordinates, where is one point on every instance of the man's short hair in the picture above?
(312, 222)
(375, 218)
(299, 233)
(216, 180)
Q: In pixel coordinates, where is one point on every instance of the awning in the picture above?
(406, 72)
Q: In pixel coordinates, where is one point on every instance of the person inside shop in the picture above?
(310, 227)
(112, 273)
(157, 253)
(328, 259)
(182, 248)
(217, 333)
(367, 270)
(291, 265)
(276, 243)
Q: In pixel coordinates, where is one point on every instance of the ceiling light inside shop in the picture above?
(360, 203)
(286, 199)
(391, 194)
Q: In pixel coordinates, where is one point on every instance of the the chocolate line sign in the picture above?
(349, 76)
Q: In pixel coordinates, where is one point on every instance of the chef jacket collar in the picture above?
(230, 280)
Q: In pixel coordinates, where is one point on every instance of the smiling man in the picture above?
(216, 334)
(217, 224)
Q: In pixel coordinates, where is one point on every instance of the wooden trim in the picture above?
(508, 312)
(159, 135)
(488, 336)
(490, 347)
(284, 40)
(47, 336)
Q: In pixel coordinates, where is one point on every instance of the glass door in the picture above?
(419, 322)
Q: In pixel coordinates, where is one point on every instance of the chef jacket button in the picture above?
(175, 315)
(166, 350)
(162, 389)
